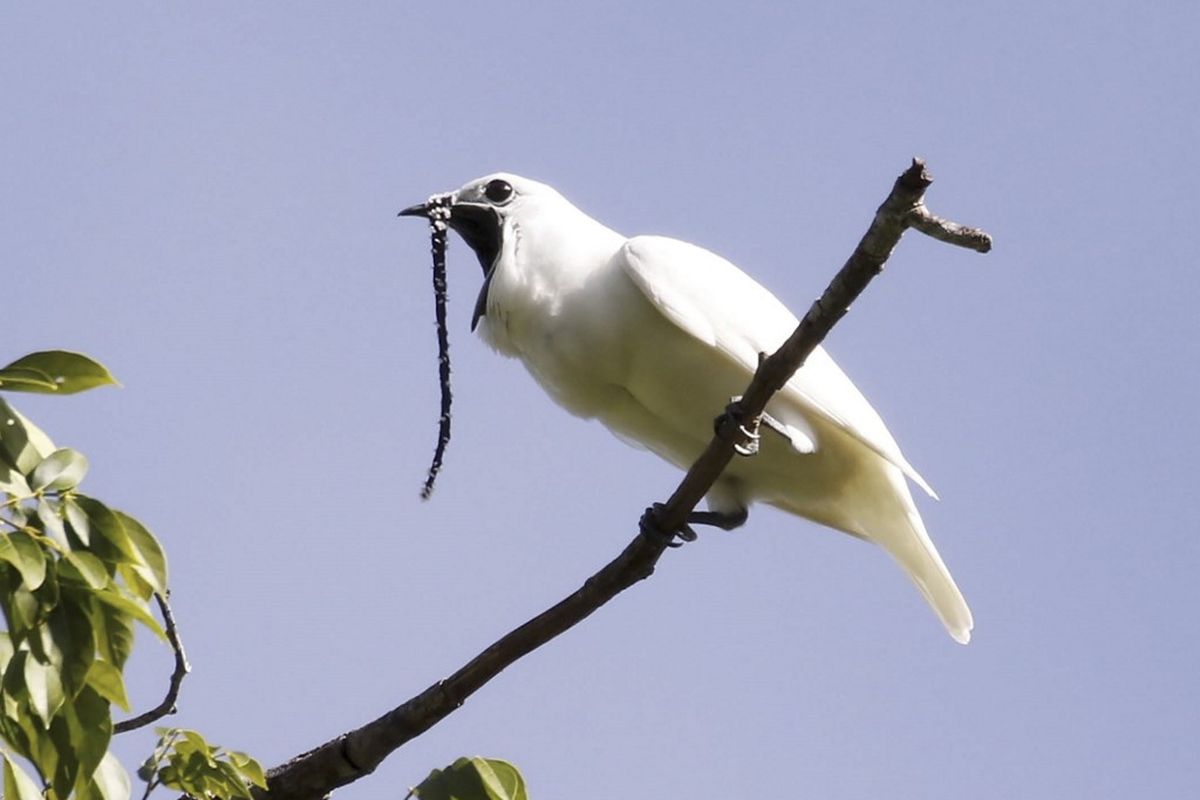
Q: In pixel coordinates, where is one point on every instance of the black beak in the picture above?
(419, 210)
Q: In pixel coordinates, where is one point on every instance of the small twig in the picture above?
(163, 747)
(182, 668)
(357, 753)
(946, 231)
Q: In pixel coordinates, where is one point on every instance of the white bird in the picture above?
(653, 337)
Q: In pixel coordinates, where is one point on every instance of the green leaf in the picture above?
(12, 482)
(169, 776)
(19, 549)
(83, 567)
(74, 642)
(249, 768)
(151, 562)
(20, 725)
(47, 595)
(132, 608)
(505, 781)
(234, 780)
(22, 444)
(14, 677)
(55, 372)
(63, 469)
(44, 685)
(113, 628)
(78, 521)
(59, 760)
(89, 724)
(21, 608)
(195, 773)
(45, 647)
(6, 650)
(106, 679)
(189, 742)
(13, 725)
(17, 784)
(49, 513)
(111, 779)
(106, 535)
(474, 779)
(134, 582)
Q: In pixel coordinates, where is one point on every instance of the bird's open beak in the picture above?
(480, 227)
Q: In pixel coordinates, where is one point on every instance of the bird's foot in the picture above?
(652, 529)
(731, 426)
(726, 521)
(776, 426)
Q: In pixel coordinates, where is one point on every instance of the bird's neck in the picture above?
(551, 256)
(544, 265)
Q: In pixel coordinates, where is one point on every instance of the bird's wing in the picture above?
(718, 304)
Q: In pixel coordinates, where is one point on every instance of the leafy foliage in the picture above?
(184, 761)
(473, 779)
(75, 578)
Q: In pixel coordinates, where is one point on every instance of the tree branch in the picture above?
(182, 668)
(946, 231)
(357, 753)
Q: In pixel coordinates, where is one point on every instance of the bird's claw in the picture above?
(745, 439)
(650, 527)
(749, 445)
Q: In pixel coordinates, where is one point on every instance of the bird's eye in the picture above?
(498, 191)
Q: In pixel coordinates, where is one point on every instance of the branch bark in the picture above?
(357, 753)
(182, 668)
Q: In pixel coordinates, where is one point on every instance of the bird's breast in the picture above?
(575, 330)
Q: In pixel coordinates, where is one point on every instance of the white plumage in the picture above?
(653, 336)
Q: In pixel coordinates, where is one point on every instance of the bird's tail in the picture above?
(888, 517)
(921, 561)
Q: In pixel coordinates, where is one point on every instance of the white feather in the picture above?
(725, 308)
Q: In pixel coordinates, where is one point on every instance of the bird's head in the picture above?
(483, 209)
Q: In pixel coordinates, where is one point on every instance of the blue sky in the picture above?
(204, 198)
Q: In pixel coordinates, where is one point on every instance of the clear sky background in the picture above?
(203, 196)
